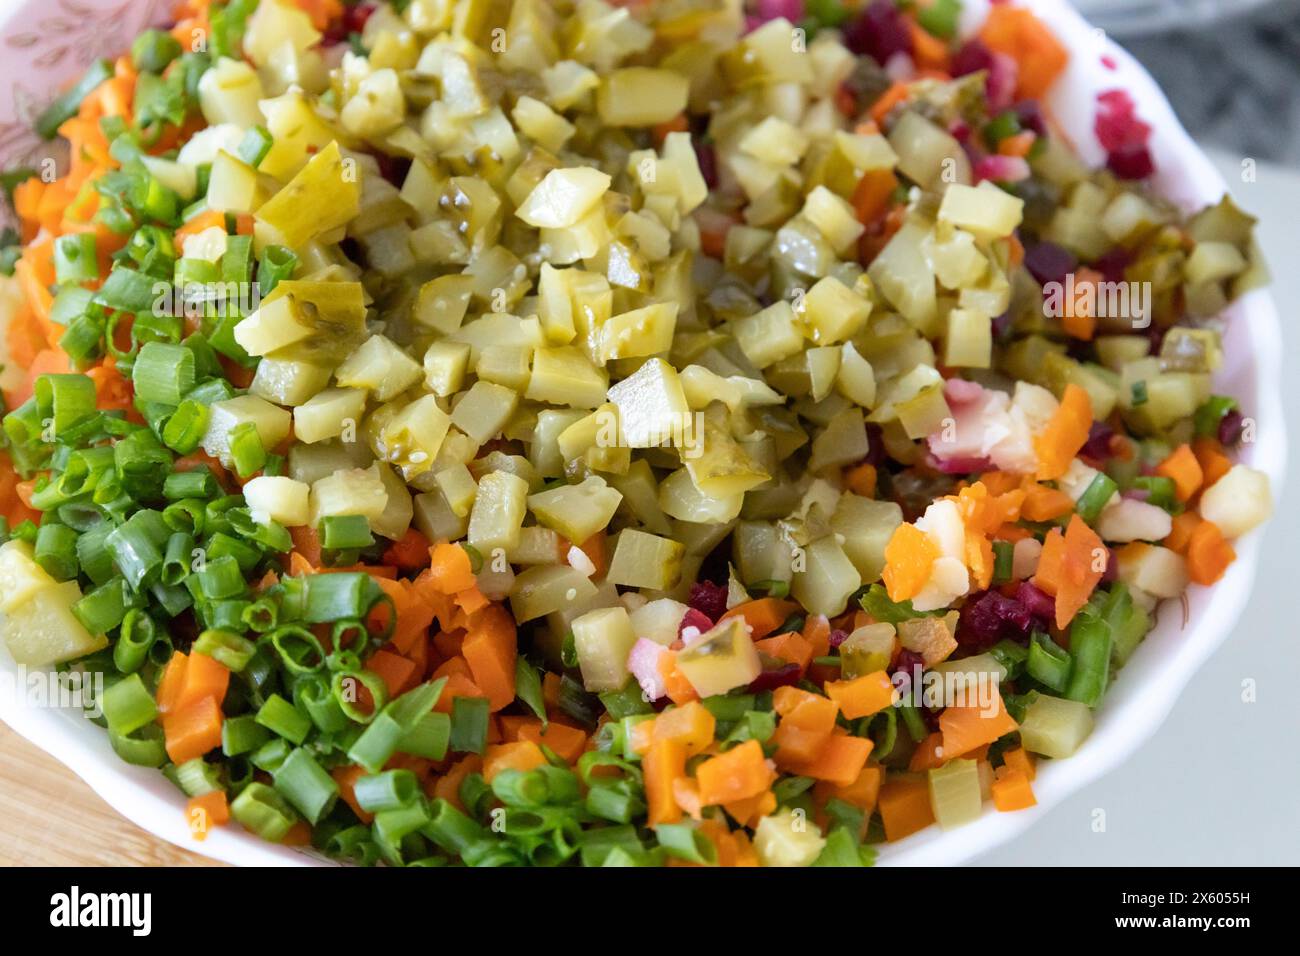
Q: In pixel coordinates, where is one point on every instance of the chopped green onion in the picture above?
(261, 810)
(153, 50)
(75, 259)
(1095, 496)
(134, 641)
(281, 717)
(66, 105)
(1090, 650)
(163, 373)
(469, 724)
(386, 791)
(226, 648)
(128, 705)
(242, 734)
(56, 551)
(1003, 561)
(302, 781)
(1047, 663)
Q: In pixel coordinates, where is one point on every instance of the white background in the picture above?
(1219, 782)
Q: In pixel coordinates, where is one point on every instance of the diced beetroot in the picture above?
(1231, 427)
(1039, 603)
(971, 57)
(708, 598)
(783, 676)
(875, 445)
(960, 391)
(1130, 162)
(1002, 325)
(879, 31)
(1048, 262)
(792, 10)
(989, 617)
(1112, 264)
(1030, 116)
(957, 466)
(707, 158)
(838, 637)
(959, 130)
(1112, 567)
(1001, 169)
(353, 21)
(907, 663)
(1117, 124)
(696, 619)
(1097, 447)
(1000, 87)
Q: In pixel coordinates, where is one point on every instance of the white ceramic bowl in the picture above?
(34, 66)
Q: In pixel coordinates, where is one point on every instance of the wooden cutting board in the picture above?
(48, 817)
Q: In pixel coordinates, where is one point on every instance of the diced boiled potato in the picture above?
(498, 512)
(969, 339)
(774, 141)
(644, 560)
(277, 498)
(328, 414)
(1237, 502)
(1153, 569)
(20, 575)
(564, 197)
(866, 526)
(659, 620)
(576, 511)
(641, 96)
(42, 630)
(985, 210)
(784, 840)
(1055, 727)
(603, 638)
(720, 659)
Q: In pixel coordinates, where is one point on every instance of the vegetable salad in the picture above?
(504, 432)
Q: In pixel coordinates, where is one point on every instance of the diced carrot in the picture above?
(738, 774)
(193, 730)
(678, 124)
(807, 721)
(471, 600)
(862, 696)
(322, 12)
(1045, 504)
(447, 787)
(172, 682)
(676, 686)
(763, 615)
(909, 556)
(968, 726)
(791, 647)
(1208, 553)
(662, 764)
(861, 479)
(1184, 470)
(1012, 790)
(306, 543)
(299, 835)
(1070, 567)
(346, 777)
(398, 673)
(817, 632)
(690, 725)
(686, 792)
(1214, 463)
(567, 742)
(904, 805)
(840, 760)
(928, 51)
(749, 811)
(1019, 34)
(1017, 758)
(410, 552)
(490, 648)
(872, 194)
(1018, 145)
(204, 677)
(894, 95)
(1064, 434)
(205, 812)
(1180, 535)
(449, 569)
(458, 685)
(928, 753)
(862, 792)
(520, 755)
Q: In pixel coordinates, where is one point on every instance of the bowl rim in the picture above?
(1130, 715)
